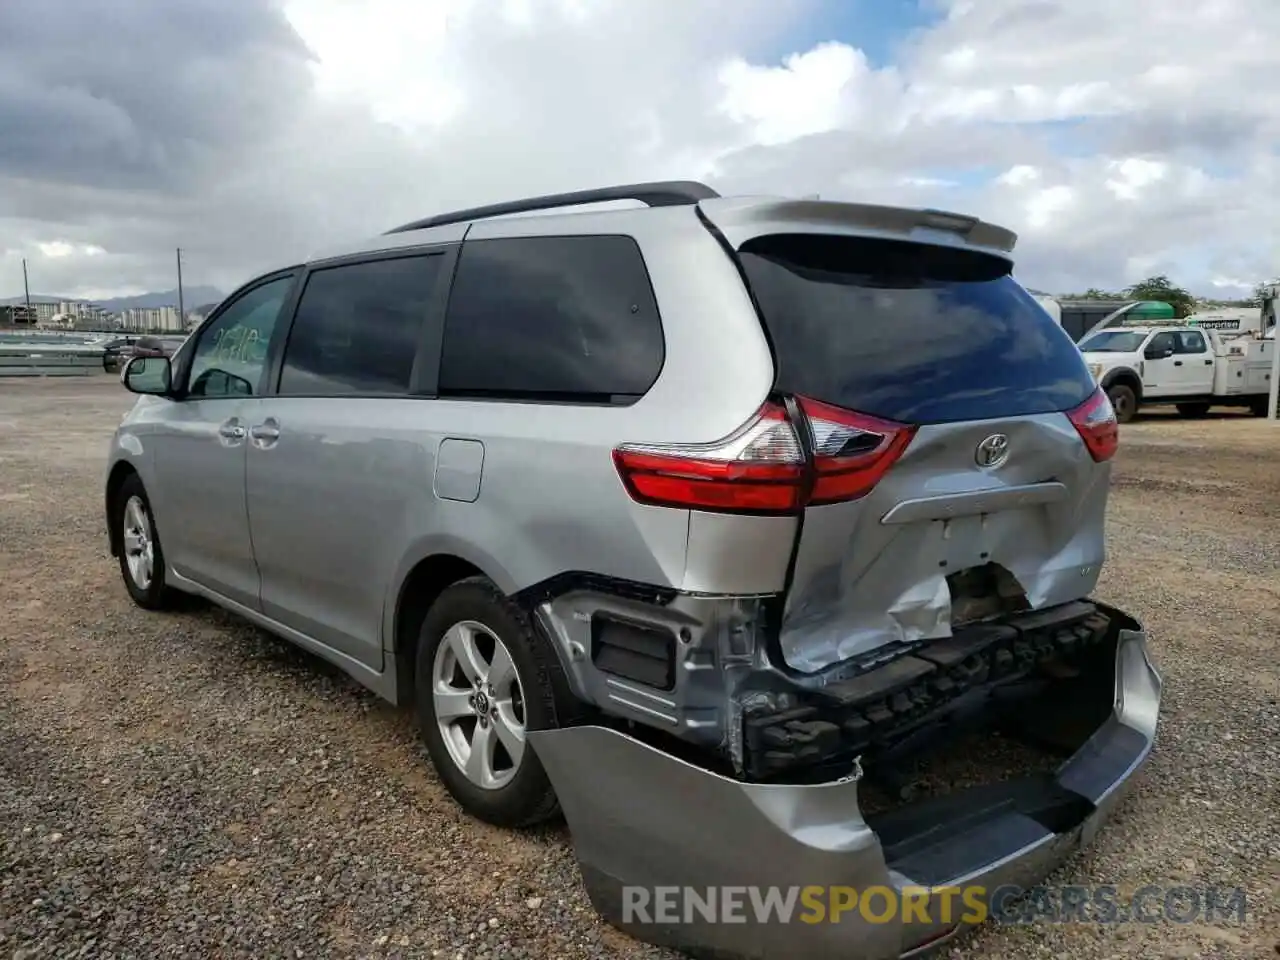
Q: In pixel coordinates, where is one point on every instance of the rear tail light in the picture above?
(1096, 423)
(757, 469)
(761, 468)
(851, 451)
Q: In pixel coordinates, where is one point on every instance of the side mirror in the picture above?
(1155, 353)
(152, 376)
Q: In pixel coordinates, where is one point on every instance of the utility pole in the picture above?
(182, 315)
(26, 288)
(1271, 312)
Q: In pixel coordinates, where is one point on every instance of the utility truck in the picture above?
(1223, 358)
(1079, 316)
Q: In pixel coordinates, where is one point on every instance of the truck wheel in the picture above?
(484, 677)
(1192, 409)
(1124, 401)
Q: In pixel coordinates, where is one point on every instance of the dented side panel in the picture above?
(717, 649)
(875, 571)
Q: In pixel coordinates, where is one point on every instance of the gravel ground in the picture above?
(182, 785)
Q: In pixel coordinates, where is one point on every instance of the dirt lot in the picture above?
(182, 785)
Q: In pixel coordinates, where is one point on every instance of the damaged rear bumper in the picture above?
(641, 818)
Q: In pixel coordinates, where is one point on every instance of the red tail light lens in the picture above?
(1096, 423)
(761, 468)
(758, 469)
(852, 451)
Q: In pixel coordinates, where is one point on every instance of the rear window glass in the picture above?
(909, 332)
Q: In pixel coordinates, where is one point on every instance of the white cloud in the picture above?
(1045, 208)
(1231, 283)
(926, 182)
(806, 95)
(1134, 175)
(395, 72)
(1019, 175)
(56, 249)
(1114, 138)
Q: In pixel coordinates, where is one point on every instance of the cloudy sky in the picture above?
(1119, 138)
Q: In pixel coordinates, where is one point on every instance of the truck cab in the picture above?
(1193, 364)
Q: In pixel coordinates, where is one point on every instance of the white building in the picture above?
(78, 310)
(151, 319)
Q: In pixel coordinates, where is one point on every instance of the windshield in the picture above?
(1113, 341)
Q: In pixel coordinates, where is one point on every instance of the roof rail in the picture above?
(667, 193)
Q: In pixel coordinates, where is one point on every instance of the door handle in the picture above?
(1177, 363)
(231, 431)
(1208, 363)
(265, 433)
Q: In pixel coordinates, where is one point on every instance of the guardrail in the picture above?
(47, 360)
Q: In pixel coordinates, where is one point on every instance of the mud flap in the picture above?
(681, 857)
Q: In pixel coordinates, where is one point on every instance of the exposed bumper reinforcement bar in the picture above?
(642, 818)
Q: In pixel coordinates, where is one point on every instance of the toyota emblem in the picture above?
(992, 451)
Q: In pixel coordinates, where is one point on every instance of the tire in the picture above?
(1192, 410)
(503, 790)
(1124, 401)
(137, 528)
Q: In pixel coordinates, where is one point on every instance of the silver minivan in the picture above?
(703, 520)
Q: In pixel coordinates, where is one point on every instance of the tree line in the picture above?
(1163, 289)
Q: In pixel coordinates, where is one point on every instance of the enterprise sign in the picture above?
(1216, 323)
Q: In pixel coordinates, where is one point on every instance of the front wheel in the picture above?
(484, 678)
(141, 556)
(1124, 401)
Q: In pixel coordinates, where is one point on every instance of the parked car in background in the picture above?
(151, 347)
(118, 352)
(115, 353)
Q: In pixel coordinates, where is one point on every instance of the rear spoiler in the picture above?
(741, 219)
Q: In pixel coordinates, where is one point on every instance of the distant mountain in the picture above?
(35, 298)
(190, 296)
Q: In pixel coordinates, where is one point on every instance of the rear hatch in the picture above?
(958, 443)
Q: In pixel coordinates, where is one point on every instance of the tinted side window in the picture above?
(231, 354)
(910, 332)
(1161, 342)
(553, 318)
(357, 327)
(1190, 342)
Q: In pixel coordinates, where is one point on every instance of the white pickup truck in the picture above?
(1194, 364)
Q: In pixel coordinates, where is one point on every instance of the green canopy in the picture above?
(1151, 310)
